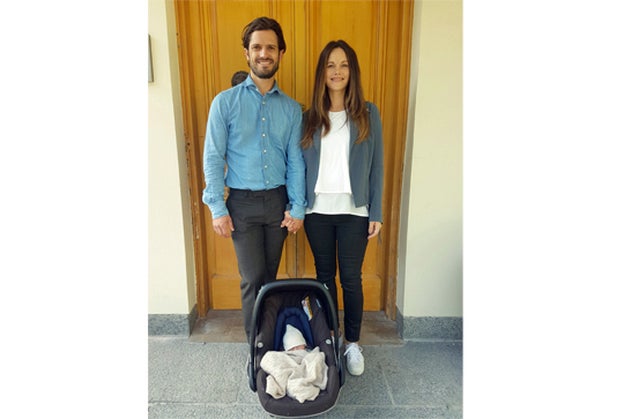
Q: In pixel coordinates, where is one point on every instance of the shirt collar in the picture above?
(249, 83)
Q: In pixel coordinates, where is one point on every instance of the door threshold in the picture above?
(226, 326)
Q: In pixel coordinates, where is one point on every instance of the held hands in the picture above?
(223, 226)
(291, 223)
(374, 227)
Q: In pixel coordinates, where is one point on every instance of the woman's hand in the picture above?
(373, 229)
(291, 223)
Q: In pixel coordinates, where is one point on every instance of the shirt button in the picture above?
(263, 118)
(263, 135)
(264, 151)
(265, 166)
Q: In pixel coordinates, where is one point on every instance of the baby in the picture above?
(297, 371)
(293, 339)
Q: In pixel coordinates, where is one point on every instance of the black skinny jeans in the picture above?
(347, 237)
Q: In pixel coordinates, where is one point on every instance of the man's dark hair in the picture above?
(264, 24)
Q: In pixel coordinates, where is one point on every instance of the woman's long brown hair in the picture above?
(355, 105)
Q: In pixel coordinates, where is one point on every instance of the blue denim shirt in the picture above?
(258, 137)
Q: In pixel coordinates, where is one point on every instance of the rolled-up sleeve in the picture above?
(295, 171)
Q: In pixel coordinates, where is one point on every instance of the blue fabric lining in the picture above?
(296, 317)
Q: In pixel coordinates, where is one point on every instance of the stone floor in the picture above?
(204, 376)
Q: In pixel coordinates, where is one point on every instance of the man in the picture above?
(255, 129)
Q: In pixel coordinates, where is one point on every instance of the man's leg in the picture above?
(274, 234)
(248, 240)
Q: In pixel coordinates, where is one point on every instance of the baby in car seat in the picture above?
(293, 339)
(297, 371)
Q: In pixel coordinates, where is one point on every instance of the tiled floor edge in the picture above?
(443, 328)
(171, 324)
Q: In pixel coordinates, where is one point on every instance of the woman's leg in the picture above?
(352, 233)
(321, 235)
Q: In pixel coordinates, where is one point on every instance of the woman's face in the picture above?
(337, 70)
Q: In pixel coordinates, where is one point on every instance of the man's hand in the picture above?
(223, 226)
(291, 223)
(374, 227)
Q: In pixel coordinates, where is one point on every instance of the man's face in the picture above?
(263, 55)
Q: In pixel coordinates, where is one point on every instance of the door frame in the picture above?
(395, 34)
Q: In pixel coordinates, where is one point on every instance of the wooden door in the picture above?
(210, 51)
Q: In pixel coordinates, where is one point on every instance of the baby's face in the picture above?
(295, 348)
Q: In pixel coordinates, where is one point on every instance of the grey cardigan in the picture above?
(365, 165)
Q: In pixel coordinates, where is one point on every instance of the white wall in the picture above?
(430, 243)
(171, 283)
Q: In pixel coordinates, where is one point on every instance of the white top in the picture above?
(333, 185)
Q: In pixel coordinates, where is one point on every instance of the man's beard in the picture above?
(263, 74)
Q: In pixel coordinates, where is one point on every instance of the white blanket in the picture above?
(299, 374)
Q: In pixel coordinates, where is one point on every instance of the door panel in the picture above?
(210, 51)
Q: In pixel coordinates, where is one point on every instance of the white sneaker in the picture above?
(355, 360)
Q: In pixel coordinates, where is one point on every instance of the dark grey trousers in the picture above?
(258, 240)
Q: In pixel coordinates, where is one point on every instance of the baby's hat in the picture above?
(292, 337)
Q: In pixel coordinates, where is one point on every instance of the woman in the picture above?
(343, 150)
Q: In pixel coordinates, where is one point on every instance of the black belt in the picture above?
(248, 193)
